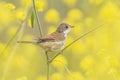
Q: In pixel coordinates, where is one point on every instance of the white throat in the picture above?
(66, 32)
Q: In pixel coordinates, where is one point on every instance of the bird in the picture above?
(54, 41)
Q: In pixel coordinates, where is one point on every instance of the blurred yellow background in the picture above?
(94, 57)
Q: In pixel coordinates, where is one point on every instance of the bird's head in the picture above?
(64, 28)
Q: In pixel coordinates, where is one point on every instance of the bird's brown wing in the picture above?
(50, 37)
(55, 36)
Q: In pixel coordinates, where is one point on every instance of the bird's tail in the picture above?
(28, 42)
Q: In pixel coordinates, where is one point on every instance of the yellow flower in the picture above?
(91, 78)
(68, 40)
(78, 48)
(41, 78)
(114, 72)
(11, 31)
(56, 76)
(88, 21)
(66, 20)
(52, 16)
(70, 3)
(22, 78)
(6, 15)
(1, 46)
(51, 29)
(10, 6)
(26, 2)
(101, 68)
(60, 62)
(74, 15)
(113, 61)
(102, 53)
(103, 39)
(87, 62)
(97, 2)
(90, 41)
(89, 73)
(78, 29)
(4, 53)
(20, 14)
(19, 62)
(109, 12)
(75, 76)
(30, 49)
(41, 5)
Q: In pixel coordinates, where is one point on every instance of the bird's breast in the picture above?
(53, 46)
(60, 42)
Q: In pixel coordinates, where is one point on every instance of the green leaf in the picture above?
(37, 18)
(32, 19)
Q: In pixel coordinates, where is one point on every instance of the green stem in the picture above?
(18, 30)
(40, 31)
(38, 21)
(47, 70)
(47, 59)
(11, 39)
(5, 70)
(74, 42)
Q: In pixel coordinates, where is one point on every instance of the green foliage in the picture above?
(32, 19)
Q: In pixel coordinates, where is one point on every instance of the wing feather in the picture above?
(46, 38)
(51, 37)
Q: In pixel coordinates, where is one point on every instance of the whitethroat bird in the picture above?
(54, 41)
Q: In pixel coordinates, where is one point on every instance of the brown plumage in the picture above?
(54, 41)
(55, 36)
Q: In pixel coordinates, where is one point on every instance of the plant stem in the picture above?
(11, 39)
(41, 34)
(38, 21)
(47, 70)
(19, 32)
(47, 59)
(74, 42)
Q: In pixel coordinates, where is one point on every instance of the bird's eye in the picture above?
(66, 26)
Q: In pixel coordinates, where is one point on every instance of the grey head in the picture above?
(64, 28)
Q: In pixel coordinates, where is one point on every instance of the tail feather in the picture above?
(26, 42)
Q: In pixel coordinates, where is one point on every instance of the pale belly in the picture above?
(52, 46)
